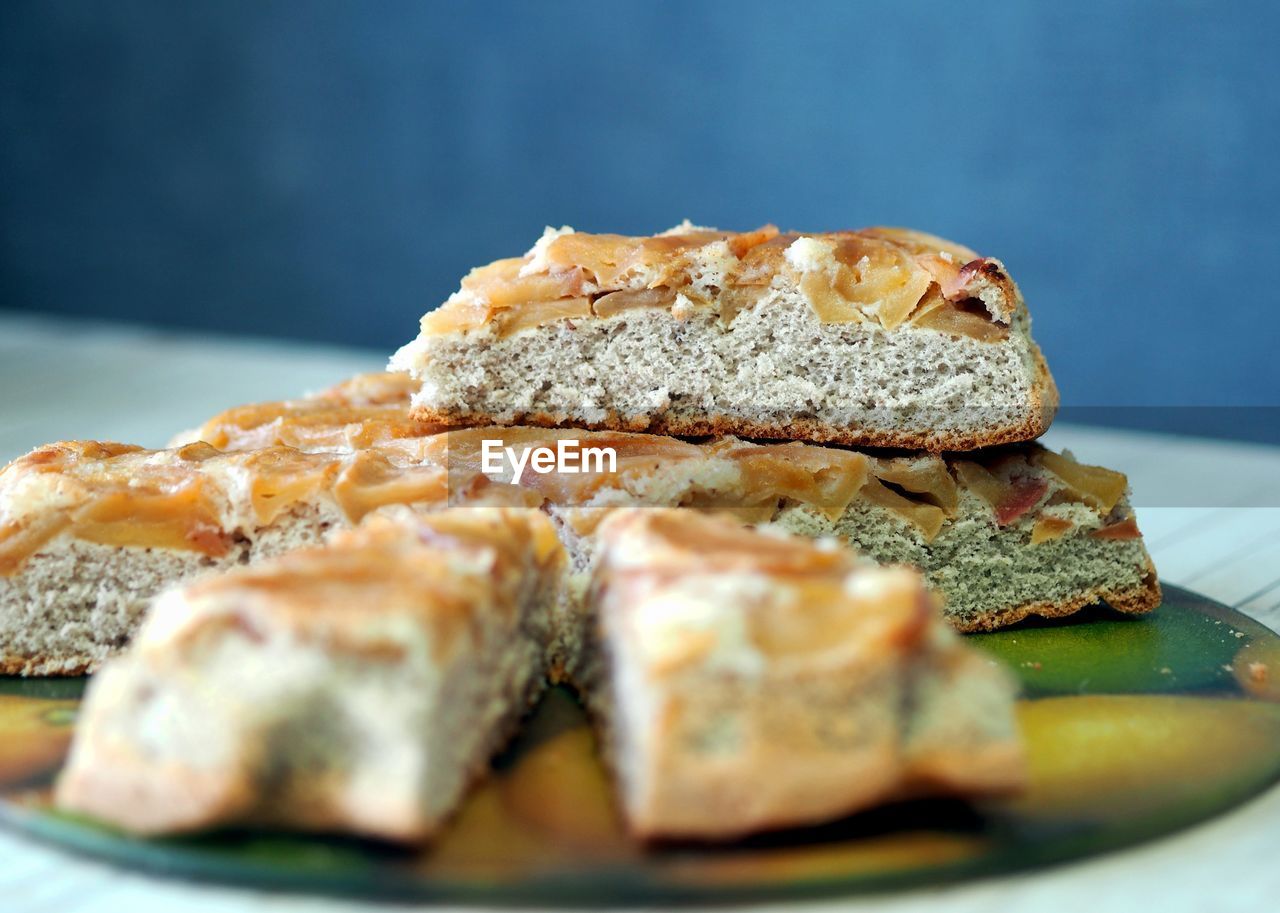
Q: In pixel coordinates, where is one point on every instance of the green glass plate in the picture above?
(1135, 727)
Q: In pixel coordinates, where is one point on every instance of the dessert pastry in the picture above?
(879, 337)
(90, 531)
(357, 687)
(749, 680)
(1001, 534)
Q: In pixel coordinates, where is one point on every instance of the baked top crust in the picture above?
(195, 498)
(893, 277)
(693, 587)
(1024, 483)
(659, 470)
(367, 588)
(368, 410)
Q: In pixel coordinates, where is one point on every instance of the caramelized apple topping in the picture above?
(1049, 528)
(738, 298)
(981, 481)
(726, 473)
(680, 541)
(617, 302)
(824, 478)
(888, 276)
(19, 540)
(800, 601)
(1098, 487)
(456, 316)
(1011, 497)
(1121, 529)
(370, 480)
(1022, 495)
(506, 287)
(280, 477)
(742, 242)
(961, 319)
(879, 279)
(827, 303)
(924, 247)
(182, 519)
(191, 498)
(610, 261)
(927, 518)
(926, 476)
(322, 423)
(541, 313)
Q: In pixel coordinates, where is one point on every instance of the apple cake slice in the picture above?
(880, 337)
(89, 531)
(357, 687)
(748, 680)
(1000, 533)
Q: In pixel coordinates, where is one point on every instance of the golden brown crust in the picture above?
(1036, 423)
(885, 276)
(400, 564)
(30, 666)
(368, 410)
(1135, 601)
(192, 498)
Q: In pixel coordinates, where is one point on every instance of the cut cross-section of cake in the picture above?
(89, 531)
(1001, 533)
(357, 687)
(877, 337)
(748, 680)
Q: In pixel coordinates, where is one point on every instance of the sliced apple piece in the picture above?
(958, 321)
(927, 518)
(926, 476)
(1020, 496)
(617, 302)
(1121, 529)
(541, 313)
(1049, 528)
(1094, 485)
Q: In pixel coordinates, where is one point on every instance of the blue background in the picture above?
(328, 171)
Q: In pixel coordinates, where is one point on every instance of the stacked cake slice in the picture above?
(880, 337)
(358, 687)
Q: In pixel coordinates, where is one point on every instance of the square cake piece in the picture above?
(750, 680)
(90, 531)
(357, 687)
(880, 337)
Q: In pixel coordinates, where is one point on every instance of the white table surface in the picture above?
(1210, 512)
